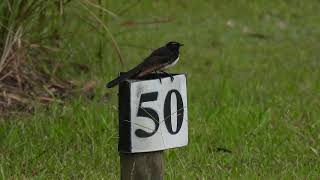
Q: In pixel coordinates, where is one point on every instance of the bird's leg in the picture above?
(171, 77)
(156, 72)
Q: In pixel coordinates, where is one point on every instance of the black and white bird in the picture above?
(159, 60)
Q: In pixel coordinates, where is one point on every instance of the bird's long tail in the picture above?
(122, 77)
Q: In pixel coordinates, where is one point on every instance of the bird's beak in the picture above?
(181, 44)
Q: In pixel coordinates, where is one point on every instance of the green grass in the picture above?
(257, 97)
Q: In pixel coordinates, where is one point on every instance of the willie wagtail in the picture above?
(158, 60)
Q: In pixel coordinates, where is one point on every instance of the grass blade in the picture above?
(101, 8)
(114, 42)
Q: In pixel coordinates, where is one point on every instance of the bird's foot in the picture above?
(158, 76)
(171, 77)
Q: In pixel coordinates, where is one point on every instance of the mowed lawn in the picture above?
(253, 88)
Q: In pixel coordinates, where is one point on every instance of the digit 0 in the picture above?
(168, 113)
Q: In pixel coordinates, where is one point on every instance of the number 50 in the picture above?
(153, 115)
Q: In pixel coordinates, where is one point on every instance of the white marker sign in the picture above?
(152, 114)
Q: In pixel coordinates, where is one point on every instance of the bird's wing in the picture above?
(153, 63)
(163, 51)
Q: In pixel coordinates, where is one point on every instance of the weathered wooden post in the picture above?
(152, 118)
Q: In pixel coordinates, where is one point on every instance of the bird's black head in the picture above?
(174, 46)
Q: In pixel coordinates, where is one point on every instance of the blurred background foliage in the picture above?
(253, 85)
(39, 43)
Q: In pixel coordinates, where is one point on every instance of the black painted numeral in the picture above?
(167, 111)
(148, 113)
(153, 115)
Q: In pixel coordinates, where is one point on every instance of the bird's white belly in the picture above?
(172, 64)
